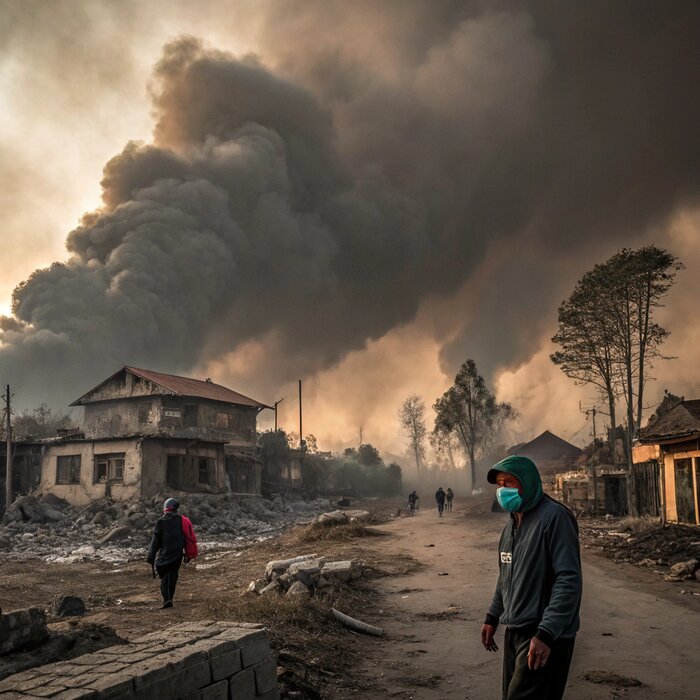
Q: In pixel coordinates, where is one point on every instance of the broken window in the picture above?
(190, 417)
(203, 476)
(222, 421)
(173, 470)
(109, 468)
(68, 469)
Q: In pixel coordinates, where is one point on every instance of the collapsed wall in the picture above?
(204, 660)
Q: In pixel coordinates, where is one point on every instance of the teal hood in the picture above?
(526, 471)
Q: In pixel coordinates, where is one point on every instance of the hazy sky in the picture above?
(361, 195)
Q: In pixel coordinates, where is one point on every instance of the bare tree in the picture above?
(412, 417)
(471, 411)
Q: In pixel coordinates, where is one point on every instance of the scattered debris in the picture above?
(670, 550)
(309, 571)
(116, 531)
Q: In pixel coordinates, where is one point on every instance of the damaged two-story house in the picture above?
(148, 433)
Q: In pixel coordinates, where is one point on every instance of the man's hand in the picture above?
(487, 632)
(538, 654)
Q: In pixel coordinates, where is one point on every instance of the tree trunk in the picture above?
(472, 470)
(612, 441)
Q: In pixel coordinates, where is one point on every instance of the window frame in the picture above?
(73, 469)
(111, 460)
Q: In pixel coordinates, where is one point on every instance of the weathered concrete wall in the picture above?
(204, 661)
(22, 628)
(122, 417)
(174, 416)
(88, 490)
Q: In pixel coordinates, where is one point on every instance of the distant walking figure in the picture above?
(412, 502)
(173, 538)
(440, 498)
(450, 495)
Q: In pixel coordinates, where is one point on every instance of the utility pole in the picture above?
(8, 462)
(590, 412)
(301, 434)
(277, 403)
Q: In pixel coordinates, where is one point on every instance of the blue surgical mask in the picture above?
(510, 499)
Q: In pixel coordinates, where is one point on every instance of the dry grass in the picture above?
(639, 526)
(320, 532)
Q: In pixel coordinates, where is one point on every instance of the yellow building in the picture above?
(673, 443)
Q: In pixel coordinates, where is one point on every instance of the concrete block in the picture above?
(307, 571)
(242, 685)
(265, 676)
(113, 667)
(47, 691)
(254, 648)
(196, 676)
(25, 685)
(279, 566)
(273, 694)
(216, 691)
(342, 570)
(76, 694)
(199, 626)
(225, 664)
(149, 673)
(84, 679)
(114, 686)
(298, 590)
(90, 660)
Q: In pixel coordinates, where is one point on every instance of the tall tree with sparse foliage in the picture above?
(412, 418)
(607, 332)
(470, 411)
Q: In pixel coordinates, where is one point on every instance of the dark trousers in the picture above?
(168, 579)
(546, 683)
(441, 507)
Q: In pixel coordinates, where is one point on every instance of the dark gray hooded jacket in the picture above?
(539, 583)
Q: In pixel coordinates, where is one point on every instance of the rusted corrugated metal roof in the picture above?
(184, 386)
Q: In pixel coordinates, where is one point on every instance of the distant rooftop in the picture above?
(681, 421)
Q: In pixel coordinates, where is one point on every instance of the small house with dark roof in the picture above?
(670, 447)
(549, 452)
(148, 433)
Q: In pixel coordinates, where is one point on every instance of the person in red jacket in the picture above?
(173, 539)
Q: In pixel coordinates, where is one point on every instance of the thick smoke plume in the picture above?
(377, 158)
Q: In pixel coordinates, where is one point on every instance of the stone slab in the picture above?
(242, 685)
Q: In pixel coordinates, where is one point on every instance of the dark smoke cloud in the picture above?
(375, 160)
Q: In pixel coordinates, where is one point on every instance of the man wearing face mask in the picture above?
(538, 593)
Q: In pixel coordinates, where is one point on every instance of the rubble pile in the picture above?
(51, 529)
(342, 517)
(670, 550)
(303, 575)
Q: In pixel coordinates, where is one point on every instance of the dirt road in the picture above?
(633, 624)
